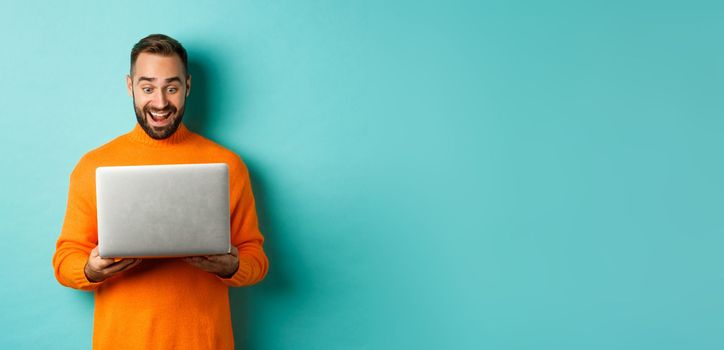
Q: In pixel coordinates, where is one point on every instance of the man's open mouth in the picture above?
(159, 116)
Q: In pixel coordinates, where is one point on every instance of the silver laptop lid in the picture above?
(163, 210)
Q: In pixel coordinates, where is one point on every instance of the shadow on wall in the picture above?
(197, 106)
(242, 300)
(202, 98)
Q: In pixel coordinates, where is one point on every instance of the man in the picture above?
(159, 303)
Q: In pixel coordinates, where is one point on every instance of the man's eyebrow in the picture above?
(168, 80)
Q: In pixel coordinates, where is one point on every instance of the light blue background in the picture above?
(429, 174)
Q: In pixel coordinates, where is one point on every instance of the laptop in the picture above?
(154, 211)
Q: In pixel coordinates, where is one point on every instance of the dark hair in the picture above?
(160, 44)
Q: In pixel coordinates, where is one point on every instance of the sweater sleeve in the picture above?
(79, 234)
(245, 234)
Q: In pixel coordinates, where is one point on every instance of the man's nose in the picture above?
(159, 100)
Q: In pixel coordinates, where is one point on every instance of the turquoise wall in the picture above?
(429, 174)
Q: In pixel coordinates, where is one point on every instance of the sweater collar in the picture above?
(139, 135)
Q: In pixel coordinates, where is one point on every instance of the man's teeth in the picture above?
(160, 115)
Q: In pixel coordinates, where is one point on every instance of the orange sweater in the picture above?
(161, 303)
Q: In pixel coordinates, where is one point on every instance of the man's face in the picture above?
(159, 87)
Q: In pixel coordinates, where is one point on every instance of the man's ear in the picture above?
(129, 85)
(188, 85)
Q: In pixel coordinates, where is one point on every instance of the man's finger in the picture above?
(103, 263)
(200, 258)
(200, 262)
(100, 262)
(121, 265)
(132, 265)
(218, 257)
(192, 260)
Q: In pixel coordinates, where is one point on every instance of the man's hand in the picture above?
(98, 269)
(223, 265)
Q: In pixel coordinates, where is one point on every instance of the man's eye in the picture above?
(147, 90)
(172, 90)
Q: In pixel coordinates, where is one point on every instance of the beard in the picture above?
(162, 132)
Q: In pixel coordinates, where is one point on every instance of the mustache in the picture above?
(169, 108)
